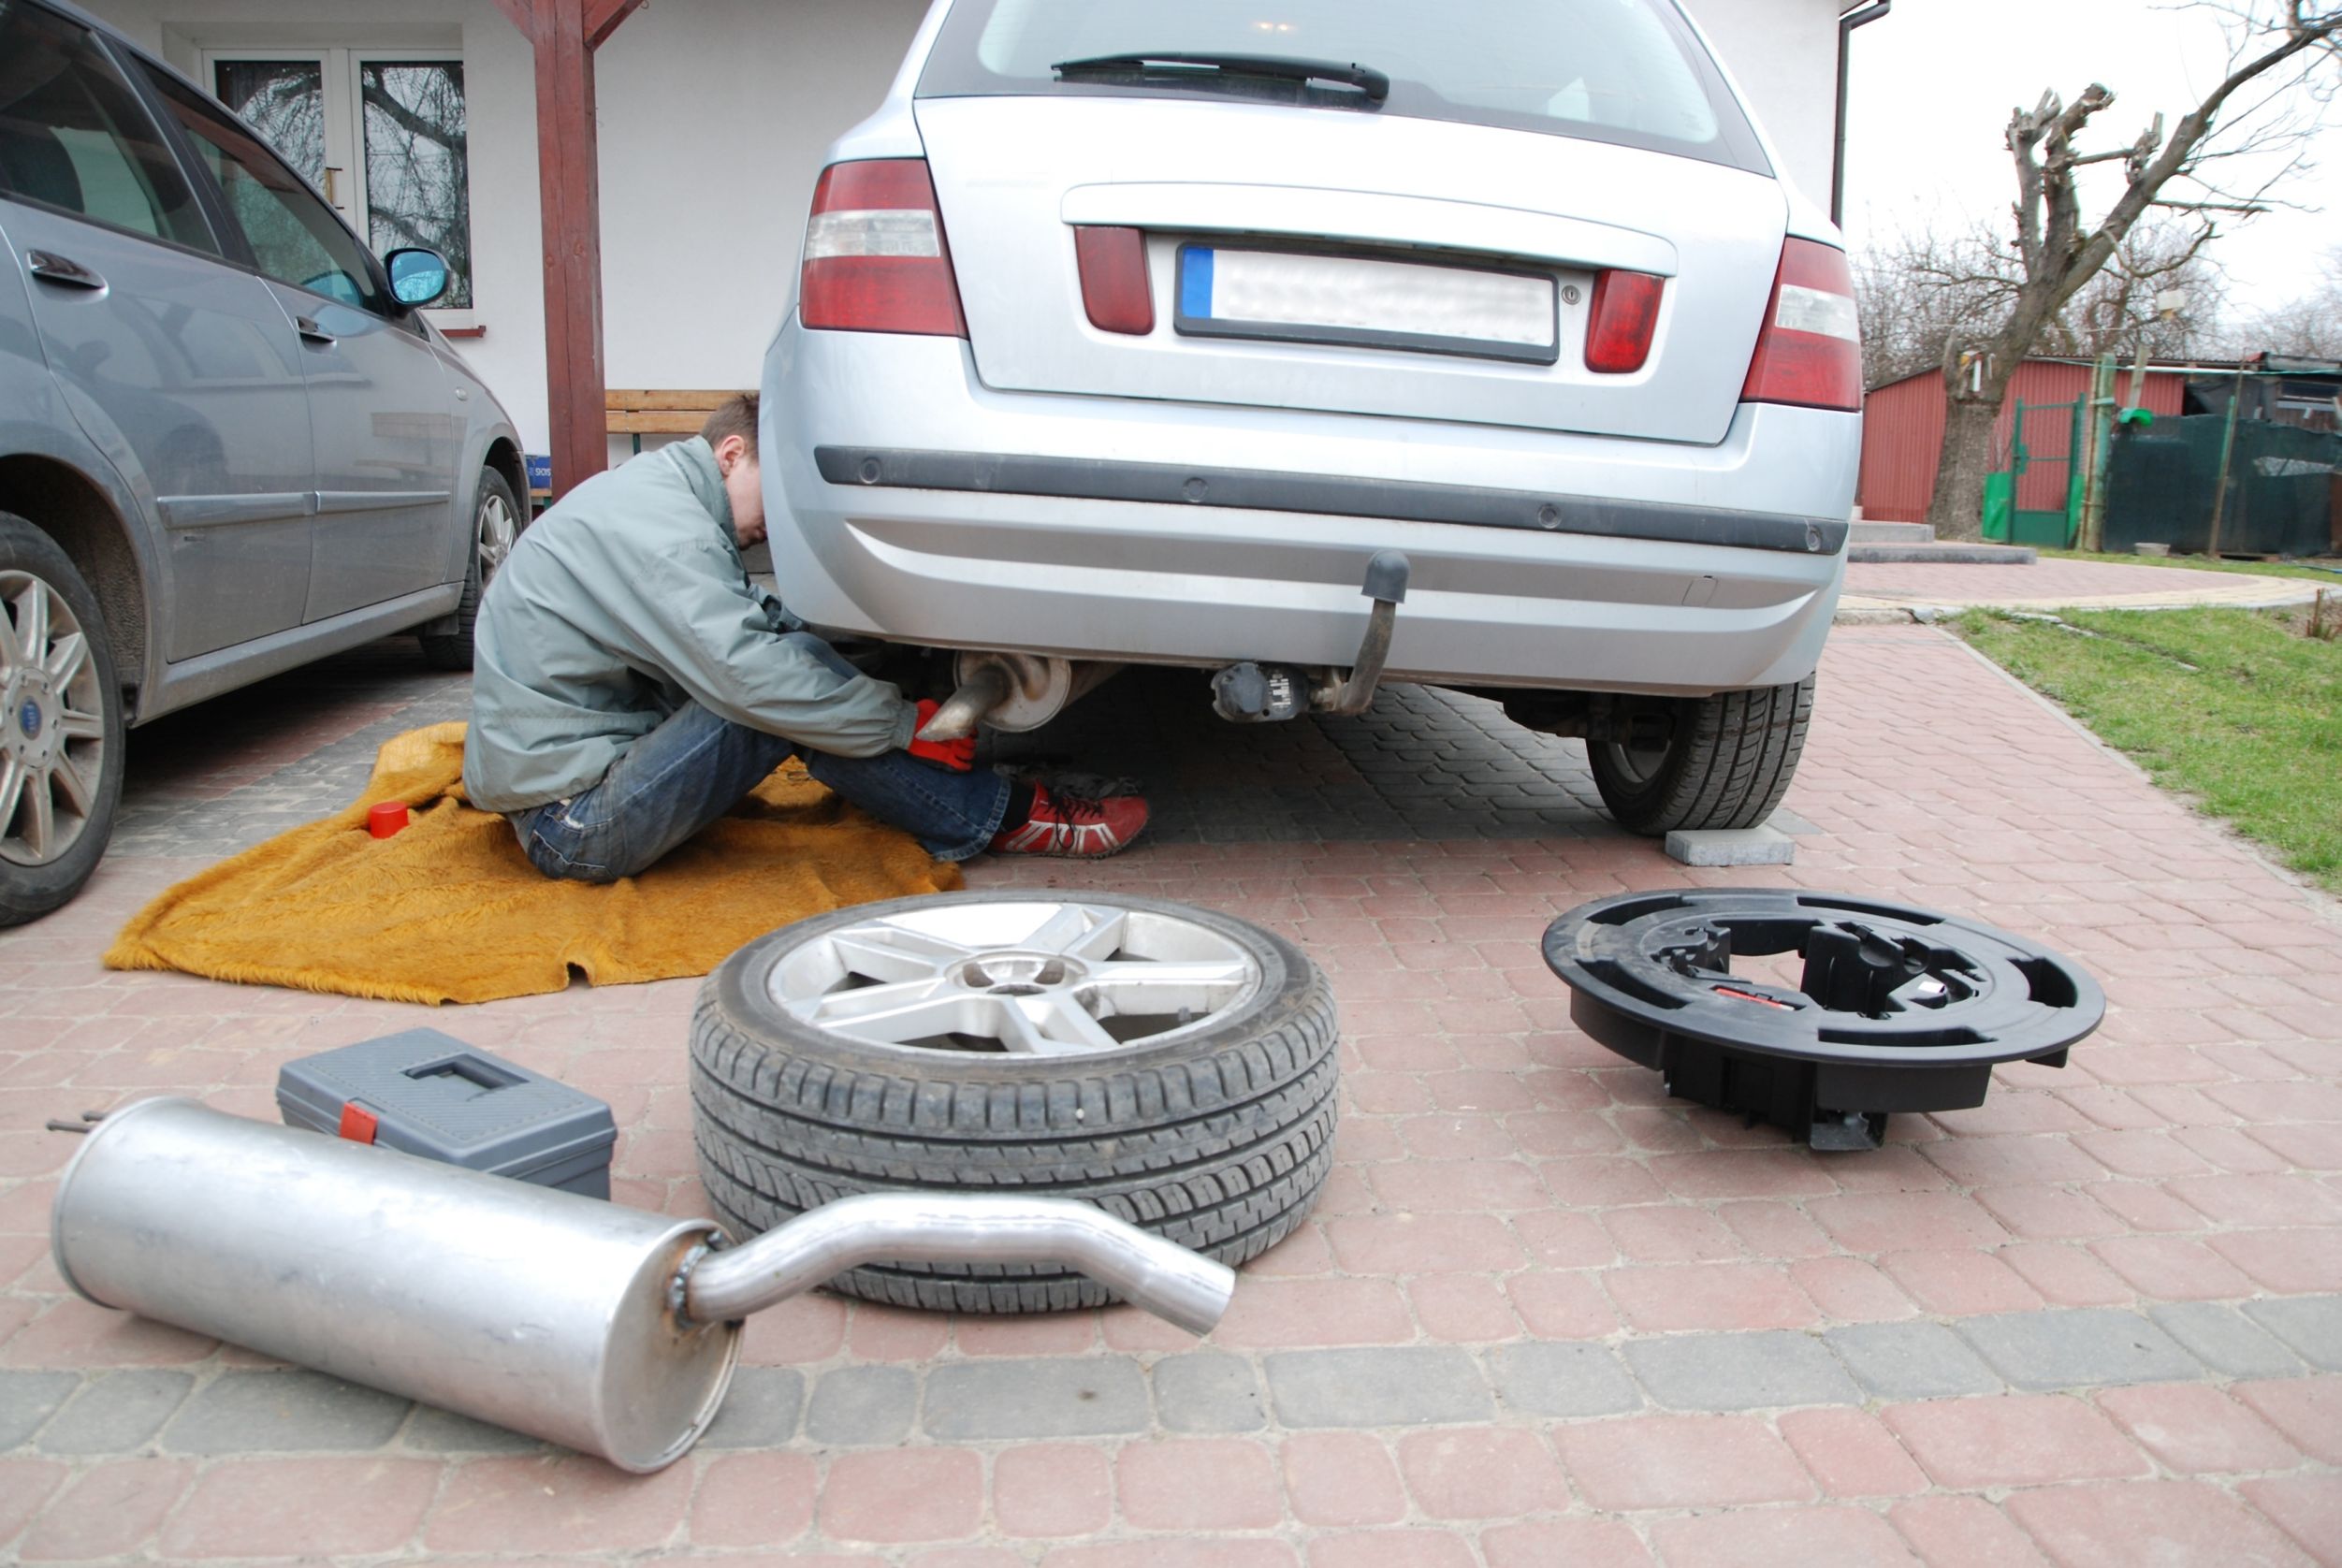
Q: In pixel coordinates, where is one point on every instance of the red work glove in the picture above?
(957, 755)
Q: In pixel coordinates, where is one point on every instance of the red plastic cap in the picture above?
(358, 1125)
(1622, 320)
(1114, 287)
(386, 818)
(1809, 354)
(876, 259)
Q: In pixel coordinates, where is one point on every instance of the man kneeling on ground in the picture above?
(631, 685)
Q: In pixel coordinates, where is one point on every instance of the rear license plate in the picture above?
(1294, 297)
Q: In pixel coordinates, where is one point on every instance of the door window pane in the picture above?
(73, 136)
(285, 100)
(418, 164)
(295, 237)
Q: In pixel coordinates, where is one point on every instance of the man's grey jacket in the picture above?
(620, 604)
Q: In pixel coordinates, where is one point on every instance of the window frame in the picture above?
(339, 67)
(225, 243)
(223, 218)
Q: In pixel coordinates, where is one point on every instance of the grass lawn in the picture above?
(2234, 707)
(2199, 563)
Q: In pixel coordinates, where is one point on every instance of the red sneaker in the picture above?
(1072, 828)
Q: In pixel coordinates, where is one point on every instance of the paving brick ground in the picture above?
(1542, 1315)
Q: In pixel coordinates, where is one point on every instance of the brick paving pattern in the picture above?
(1542, 1315)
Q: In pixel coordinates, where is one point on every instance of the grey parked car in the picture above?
(1482, 346)
(229, 443)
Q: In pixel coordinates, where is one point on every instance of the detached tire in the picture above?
(1721, 761)
(1217, 1133)
(61, 726)
(497, 521)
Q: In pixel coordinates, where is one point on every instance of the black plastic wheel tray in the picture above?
(1896, 1008)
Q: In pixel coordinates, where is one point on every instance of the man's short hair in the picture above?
(734, 416)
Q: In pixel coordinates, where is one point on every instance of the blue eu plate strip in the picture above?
(1194, 282)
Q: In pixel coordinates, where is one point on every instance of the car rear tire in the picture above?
(497, 521)
(1217, 1133)
(1722, 761)
(61, 726)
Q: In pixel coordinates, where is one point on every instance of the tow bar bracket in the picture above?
(1387, 586)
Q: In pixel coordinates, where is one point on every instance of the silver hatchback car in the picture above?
(1324, 341)
(229, 442)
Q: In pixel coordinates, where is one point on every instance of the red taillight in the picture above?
(875, 256)
(1809, 353)
(1115, 288)
(1621, 320)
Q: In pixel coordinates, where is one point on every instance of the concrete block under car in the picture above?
(1731, 846)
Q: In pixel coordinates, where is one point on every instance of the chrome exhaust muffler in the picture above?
(608, 1329)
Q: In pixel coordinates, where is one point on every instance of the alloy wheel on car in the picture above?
(496, 528)
(53, 728)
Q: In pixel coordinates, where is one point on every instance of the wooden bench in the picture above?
(637, 413)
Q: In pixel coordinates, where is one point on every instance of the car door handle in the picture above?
(51, 267)
(311, 331)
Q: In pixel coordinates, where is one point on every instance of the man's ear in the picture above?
(730, 451)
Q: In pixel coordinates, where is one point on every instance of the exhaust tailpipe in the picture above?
(608, 1329)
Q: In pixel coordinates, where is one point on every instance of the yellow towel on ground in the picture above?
(450, 910)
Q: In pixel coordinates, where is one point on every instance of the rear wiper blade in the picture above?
(1288, 68)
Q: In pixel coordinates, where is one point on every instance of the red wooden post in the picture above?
(564, 35)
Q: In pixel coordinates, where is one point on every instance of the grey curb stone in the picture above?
(1547, 1379)
(860, 1406)
(116, 1412)
(760, 1411)
(1731, 846)
(1401, 1387)
(2224, 1339)
(29, 1397)
(1056, 1397)
(1757, 1371)
(1205, 1391)
(1911, 1360)
(275, 1412)
(433, 1431)
(2077, 1350)
(2312, 1325)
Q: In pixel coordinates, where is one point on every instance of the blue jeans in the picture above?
(696, 766)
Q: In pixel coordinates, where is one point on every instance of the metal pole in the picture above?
(2227, 447)
(2100, 429)
(1846, 26)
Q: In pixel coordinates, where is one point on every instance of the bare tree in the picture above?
(1920, 292)
(2310, 327)
(2281, 52)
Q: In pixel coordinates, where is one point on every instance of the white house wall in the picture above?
(713, 114)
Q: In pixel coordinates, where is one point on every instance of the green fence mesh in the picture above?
(2162, 482)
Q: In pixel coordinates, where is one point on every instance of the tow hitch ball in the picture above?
(1252, 693)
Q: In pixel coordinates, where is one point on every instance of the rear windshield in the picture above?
(1626, 71)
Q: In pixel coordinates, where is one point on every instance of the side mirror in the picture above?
(417, 276)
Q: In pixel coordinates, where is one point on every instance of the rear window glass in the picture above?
(1627, 71)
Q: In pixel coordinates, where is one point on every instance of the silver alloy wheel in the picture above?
(1019, 977)
(496, 528)
(53, 726)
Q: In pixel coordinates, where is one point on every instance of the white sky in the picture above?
(1934, 82)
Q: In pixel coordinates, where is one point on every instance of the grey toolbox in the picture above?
(425, 1093)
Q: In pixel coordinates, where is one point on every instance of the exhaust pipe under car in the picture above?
(608, 1330)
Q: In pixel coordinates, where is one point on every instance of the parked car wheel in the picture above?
(1721, 761)
(61, 727)
(1171, 1064)
(496, 519)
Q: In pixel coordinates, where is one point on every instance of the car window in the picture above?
(295, 237)
(1610, 70)
(73, 135)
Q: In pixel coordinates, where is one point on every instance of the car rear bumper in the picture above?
(910, 502)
